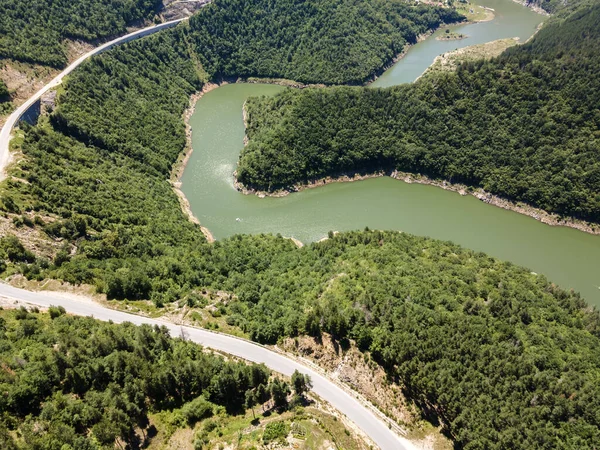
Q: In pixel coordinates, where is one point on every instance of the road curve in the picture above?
(14, 118)
(361, 415)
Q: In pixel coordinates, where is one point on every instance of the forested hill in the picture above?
(34, 30)
(80, 384)
(500, 356)
(523, 126)
(312, 41)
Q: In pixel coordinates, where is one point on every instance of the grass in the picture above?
(310, 429)
(479, 13)
(197, 316)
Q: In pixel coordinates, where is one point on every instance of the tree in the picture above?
(301, 383)
(251, 400)
(279, 392)
(263, 394)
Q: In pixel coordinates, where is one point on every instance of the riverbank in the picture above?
(475, 13)
(462, 189)
(534, 8)
(184, 157)
(449, 61)
(484, 14)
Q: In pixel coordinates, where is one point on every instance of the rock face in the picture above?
(178, 9)
(48, 101)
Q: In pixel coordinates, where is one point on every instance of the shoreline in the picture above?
(447, 57)
(184, 157)
(490, 15)
(538, 214)
(534, 8)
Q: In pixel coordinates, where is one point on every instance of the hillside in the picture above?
(522, 126)
(498, 356)
(80, 383)
(301, 41)
(34, 31)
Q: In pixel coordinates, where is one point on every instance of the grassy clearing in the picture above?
(205, 309)
(303, 429)
(474, 13)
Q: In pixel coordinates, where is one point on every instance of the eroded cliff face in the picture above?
(178, 9)
(357, 370)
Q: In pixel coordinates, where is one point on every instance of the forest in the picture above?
(34, 30)
(78, 383)
(500, 356)
(3, 91)
(301, 41)
(522, 126)
(5, 105)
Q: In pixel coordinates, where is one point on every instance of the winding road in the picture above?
(372, 425)
(13, 119)
(366, 419)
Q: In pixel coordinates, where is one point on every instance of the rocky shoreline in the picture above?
(479, 193)
(535, 8)
(184, 157)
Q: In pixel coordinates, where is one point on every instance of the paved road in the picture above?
(374, 427)
(366, 420)
(14, 118)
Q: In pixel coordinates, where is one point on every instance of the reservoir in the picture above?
(566, 256)
(510, 20)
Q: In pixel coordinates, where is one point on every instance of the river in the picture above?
(568, 257)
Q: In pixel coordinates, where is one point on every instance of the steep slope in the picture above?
(522, 126)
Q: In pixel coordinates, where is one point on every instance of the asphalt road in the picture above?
(361, 415)
(14, 118)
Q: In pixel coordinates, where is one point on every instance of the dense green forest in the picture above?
(34, 30)
(314, 41)
(5, 105)
(78, 383)
(501, 356)
(3, 91)
(523, 126)
(145, 88)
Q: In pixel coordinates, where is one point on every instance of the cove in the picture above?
(566, 256)
(511, 19)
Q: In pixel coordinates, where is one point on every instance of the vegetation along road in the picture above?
(360, 414)
(15, 117)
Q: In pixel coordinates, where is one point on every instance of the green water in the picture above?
(510, 20)
(568, 257)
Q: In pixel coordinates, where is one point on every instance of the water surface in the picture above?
(511, 19)
(568, 257)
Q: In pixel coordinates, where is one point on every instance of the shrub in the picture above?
(276, 431)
